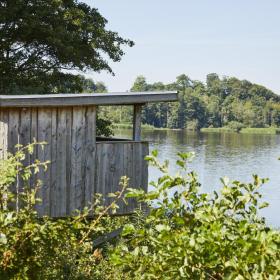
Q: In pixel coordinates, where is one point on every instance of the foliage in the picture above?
(192, 235)
(236, 126)
(72, 84)
(41, 41)
(104, 127)
(186, 234)
(226, 102)
(33, 247)
(89, 86)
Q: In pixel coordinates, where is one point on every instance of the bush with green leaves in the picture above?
(186, 234)
(236, 126)
(194, 235)
(33, 247)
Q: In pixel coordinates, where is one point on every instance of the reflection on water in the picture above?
(236, 156)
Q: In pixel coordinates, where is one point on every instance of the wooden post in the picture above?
(137, 109)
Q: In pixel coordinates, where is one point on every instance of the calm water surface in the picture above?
(236, 156)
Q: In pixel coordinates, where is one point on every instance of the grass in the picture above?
(216, 129)
(143, 126)
(248, 130)
(122, 125)
(266, 130)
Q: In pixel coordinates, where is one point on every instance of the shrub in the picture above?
(192, 235)
(186, 234)
(43, 248)
(192, 125)
(236, 126)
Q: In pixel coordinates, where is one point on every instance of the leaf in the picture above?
(264, 205)
(136, 251)
(145, 250)
(182, 273)
(155, 153)
(225, 181)
(152, 195)
(180, 163)
(111, 195)
(192, 242)
(128, 229)
(162, 227)
(3, 238)
(134, 193)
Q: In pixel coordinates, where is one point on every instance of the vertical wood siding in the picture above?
(70, 136)
(79, 167)
(117, 159)
(4, 117)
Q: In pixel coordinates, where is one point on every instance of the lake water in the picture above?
(234, 155)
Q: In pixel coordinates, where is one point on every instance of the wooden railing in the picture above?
(119, 158)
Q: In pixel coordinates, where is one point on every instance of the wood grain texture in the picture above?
(77, 159)
(90, 150)
(13, 129)
(4, 119)
(118, 159)
(137, 110)
(44, 155)
(24, 130)
(33, 138)
(13, 141)
(86, 99)
(60, 193)
(79, 166)
(68, 158)
(53, 165)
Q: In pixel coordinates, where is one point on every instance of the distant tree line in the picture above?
(221, 102)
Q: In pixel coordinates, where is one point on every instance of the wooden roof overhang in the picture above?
(137, 99)
(86, 99)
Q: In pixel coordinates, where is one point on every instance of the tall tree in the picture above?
(140, 84)
(220, 102)
(40, 40)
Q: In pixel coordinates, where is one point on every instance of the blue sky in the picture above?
(238, 38)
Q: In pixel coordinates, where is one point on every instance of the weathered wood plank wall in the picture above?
(79, 166)
(117, 159)
(3, 133)
(70, 134)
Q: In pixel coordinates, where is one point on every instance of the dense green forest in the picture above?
(221, 102)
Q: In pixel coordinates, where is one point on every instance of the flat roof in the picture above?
(84, 99)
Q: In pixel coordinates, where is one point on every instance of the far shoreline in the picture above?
(248, 130)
